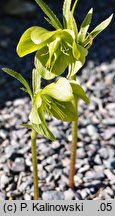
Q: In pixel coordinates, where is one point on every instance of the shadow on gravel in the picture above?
(16, 16)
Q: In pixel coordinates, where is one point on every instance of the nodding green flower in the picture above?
(55, 49)
(57, 99)
(63, 47)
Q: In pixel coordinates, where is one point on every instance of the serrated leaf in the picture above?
(20, 78)
(74, 6)
(85, 26)
(36, 80)
(98, 30)
(79, 91)
(49, 21)
(42, 128)
(27, 126)
(24, 89)
(61, 90)
(72, 24)
(53, 19)
(66, 11)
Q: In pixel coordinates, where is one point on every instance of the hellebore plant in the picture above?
(65, 47)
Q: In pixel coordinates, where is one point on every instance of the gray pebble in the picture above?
(57, 173)
(69, 194)
(42, 175)
(97, 159)
(81, 153)
(92, 130)
(84, 168)
(4, 180)
(103, 153)
(18, 165)
(53, 195)
(2, 196)
(3, 134)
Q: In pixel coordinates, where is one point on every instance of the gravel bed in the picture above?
(95, 162)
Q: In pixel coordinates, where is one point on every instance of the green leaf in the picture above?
(85, 26)
(49, 21)
(36, 80)
(42, 128)
(79, 92)
(65, 111)
(20, 78)
(72, 24)
(27, 126)
(61, 90)
(98, 30)
(66, 11)
(25, 44)
(74, 6)
(52, 17)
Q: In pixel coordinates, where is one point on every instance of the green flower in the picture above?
(57, 99)
(55, 49)
(63, 47)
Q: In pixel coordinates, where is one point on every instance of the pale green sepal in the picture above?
(61, 90)
(36, 80)
(44, 73)
(79, 92)
(76, 52)
(40, 36)
(25, 44)
(34, 115)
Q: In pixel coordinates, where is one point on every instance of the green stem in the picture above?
(73, 146)
(34, 163)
